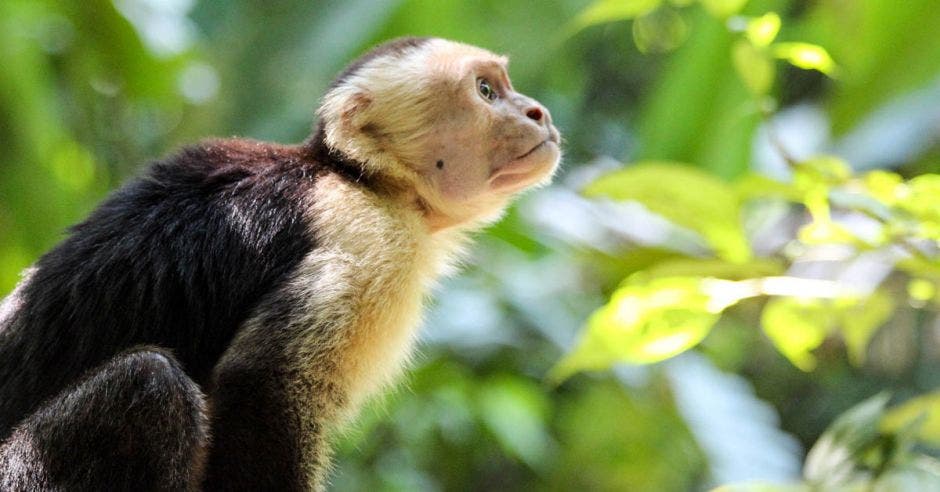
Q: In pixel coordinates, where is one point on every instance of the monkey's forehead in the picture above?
(455, 59)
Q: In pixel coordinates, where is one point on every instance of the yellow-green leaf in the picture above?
(797, 327)
(884, 186)
(644, 323)
(926, 407)
(806, 56)
(752, 186)
(713, 209)
(921, 289)
(762, 30)
(822, 169)
(723, 8)
(603, 11)
(709, 267)
(754, 67)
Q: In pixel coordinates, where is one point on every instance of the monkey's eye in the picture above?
(486, 90)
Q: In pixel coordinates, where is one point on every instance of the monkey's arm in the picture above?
(136, 422)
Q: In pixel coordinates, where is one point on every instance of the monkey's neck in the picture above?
(318, 150)
(393, 187)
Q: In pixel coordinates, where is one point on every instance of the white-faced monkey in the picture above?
(214, 321)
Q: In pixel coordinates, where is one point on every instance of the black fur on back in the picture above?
(176, 259)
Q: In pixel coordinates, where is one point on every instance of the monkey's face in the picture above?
(446, 117)
(489, 141)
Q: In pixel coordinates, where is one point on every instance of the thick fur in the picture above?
(283, 284)
(137, 423)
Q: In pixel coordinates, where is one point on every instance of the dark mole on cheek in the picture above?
(440, 164)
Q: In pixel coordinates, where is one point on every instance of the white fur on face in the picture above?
(401, 114)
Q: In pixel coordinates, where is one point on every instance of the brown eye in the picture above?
(486, 90)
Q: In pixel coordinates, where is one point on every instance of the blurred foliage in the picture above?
(753, 269)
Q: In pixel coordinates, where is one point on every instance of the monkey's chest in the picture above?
(360, 318)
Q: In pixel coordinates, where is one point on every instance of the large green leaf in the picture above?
(687, 196)
(645, 322)
(697, 111)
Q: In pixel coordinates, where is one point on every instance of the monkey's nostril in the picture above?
(535, 114)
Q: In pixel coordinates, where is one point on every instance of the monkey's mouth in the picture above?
(528, 167)
(533, 150)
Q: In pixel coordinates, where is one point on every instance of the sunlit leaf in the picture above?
(762, 30)
(713, 210)
(644, 322)
(754, 66)
(708, 267)
(920, 200)
(885, 186)
(921, 289)
(926, 407)
(797, 327)
(752, 186)
(723, 8)
(806, 56)
(603, 11)
(860, 318)
(822, 169)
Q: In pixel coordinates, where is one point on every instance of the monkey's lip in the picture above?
(533, 163)
(525, 162)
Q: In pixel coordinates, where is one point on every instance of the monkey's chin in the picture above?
(534, 168)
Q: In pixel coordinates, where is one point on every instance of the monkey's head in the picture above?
(444, 119)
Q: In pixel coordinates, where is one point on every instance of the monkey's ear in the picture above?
(354, 112)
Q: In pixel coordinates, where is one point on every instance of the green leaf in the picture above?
(796, 327)
(665, 188)
(806, 56)
(723, 8)
(762, 30)
(754, 66)
(603, 11)
(860, 318)
(924, 406)
(514, 410)
(644, 322)
(833, 459)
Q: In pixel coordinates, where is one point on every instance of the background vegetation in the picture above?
(741, 245)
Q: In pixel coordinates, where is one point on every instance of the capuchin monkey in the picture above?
(214, 322)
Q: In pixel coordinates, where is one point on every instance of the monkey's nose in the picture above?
(535, 113)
